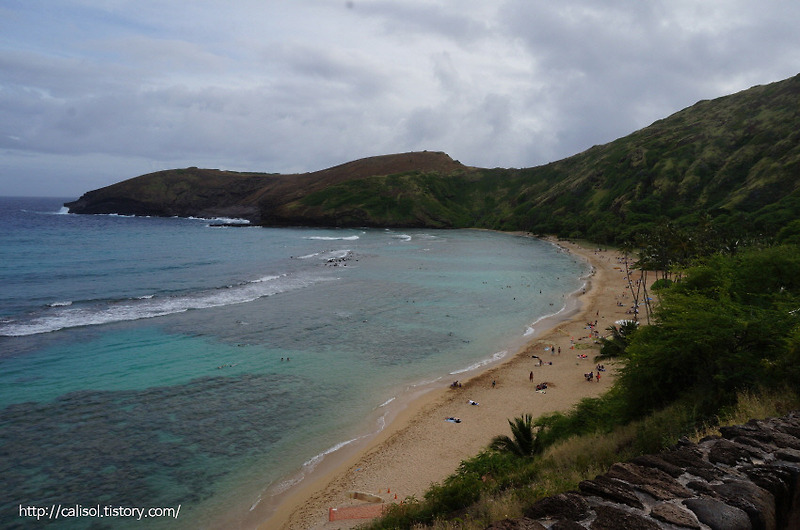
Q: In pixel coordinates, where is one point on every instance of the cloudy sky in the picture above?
(96, 91)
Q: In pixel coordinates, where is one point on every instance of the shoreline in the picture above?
(417, 448)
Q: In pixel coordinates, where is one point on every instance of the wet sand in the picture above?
(419, 447)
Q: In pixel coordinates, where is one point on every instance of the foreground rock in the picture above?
(747, 479)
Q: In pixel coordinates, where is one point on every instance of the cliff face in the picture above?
(180, 192)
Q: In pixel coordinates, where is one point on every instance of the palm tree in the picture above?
(524, 442)
(616, 345)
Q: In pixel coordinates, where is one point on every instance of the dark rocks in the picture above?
(652, 481)
(674, 514)
(718, 515)
(752, 442)
(786, 441)
(748, 430)
(758, 503)
(610, 518)
(729, 453)
(566, 524)
(658, 463)
(563, 506)
(611, 489)
(691, 460)
(776, 480)
(792, 429)
(701, 488)
(748, 479)
(790, 455)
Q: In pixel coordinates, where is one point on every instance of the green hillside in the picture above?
(736, 158)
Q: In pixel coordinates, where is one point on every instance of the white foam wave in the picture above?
(283, 486)
(308, 467)
(382, 422)
(494, 358)
(310, 464)
(529, 331)
(385, 403)
(425, 382)
(543, 317)
(256, 503)
(62, 211)
(402, 237)
(309, 256)
(338, 254)
(225, 220)
(266, 279)
(330, 238)
(70, 316)
(65, 303)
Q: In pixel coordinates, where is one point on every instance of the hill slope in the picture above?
(212, 192)
(734, 160)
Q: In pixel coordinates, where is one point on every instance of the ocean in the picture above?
(165, 362)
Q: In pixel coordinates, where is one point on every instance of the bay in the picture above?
(164, 362)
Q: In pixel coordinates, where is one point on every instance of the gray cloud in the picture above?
(92, 91)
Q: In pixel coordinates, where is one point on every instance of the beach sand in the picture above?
(419, 447)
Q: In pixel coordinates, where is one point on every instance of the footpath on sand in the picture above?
(420, 448)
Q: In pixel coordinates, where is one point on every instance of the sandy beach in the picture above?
(419, 447)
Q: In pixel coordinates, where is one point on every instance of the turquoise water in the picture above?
(157, 362)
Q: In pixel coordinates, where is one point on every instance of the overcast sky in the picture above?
(97, 91)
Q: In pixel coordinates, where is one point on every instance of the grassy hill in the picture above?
(733, 162)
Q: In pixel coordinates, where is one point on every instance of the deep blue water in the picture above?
(143, 360)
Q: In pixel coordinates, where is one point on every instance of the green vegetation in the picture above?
(523, 441)
(724, 346)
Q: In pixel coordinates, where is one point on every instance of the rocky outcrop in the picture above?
(258, 197)
(746, 479)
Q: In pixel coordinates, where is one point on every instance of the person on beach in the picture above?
(531, 377)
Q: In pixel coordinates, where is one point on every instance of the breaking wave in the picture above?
(63, 315)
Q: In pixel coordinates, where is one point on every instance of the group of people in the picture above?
(592, 377)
